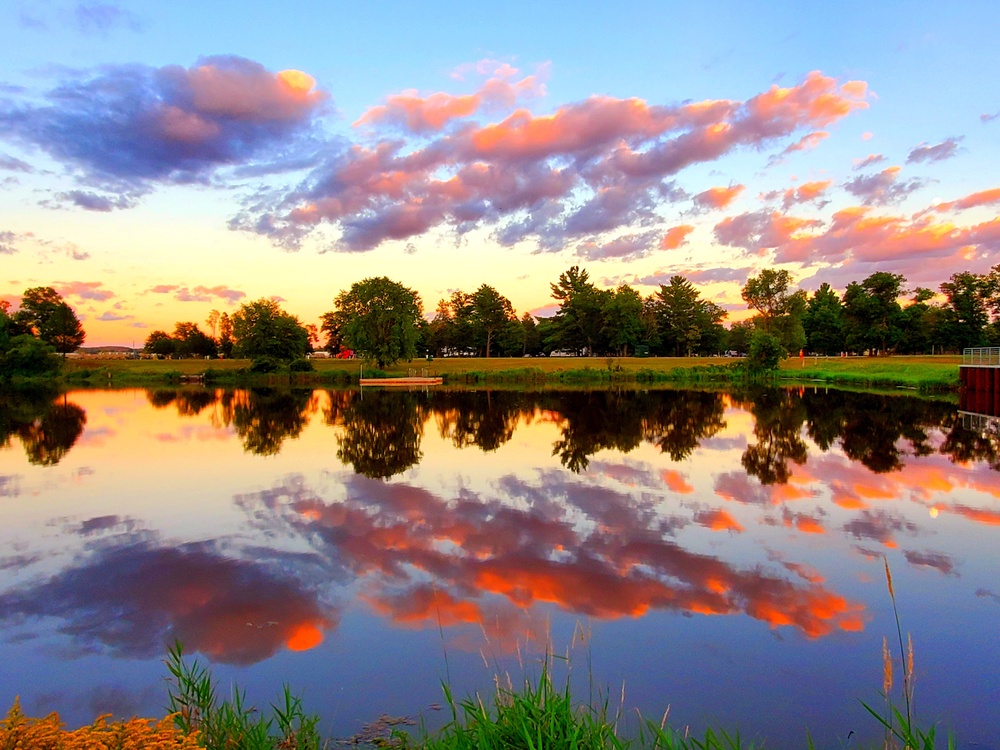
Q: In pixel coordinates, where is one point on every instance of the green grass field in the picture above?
(920, 372)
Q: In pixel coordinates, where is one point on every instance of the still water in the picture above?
(718, 553)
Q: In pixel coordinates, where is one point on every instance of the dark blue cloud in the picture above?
(125, 129)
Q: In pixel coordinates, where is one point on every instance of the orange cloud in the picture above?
(982, 198)
(718, 197)
(676, 482)
(807, 191)
(674, 237)
(717, 520)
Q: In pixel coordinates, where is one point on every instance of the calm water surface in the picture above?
(718, 553)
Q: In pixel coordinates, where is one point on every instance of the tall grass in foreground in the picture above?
(540, 716)
(900, 730)
(230, 723)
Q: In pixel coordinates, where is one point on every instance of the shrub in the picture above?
(765, 353)
(301, 365)
(264, 365)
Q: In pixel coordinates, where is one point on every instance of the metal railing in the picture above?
(981, 355)
(984, 424)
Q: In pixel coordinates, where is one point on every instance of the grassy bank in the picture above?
(926, 373)
(537, 715)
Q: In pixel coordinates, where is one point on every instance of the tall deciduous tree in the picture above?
(873, 314)
(779, 309)
(378, 318)
(192, 341)
(225, 335)
(968, 309)
(491, 312)
(44, 312)
(263, 329)
(768, 294)
(160, 343)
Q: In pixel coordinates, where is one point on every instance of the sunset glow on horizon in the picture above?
(161, 161)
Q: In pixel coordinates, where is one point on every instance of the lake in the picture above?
(720, 553)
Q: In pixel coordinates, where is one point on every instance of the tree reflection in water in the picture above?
(265, 417)
(381, 433)
(382, 429)
(870, 426)
(47, 424)
(463, 418)
(778, 417)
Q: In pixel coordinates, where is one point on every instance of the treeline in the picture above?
(43, 326)
(382, 320)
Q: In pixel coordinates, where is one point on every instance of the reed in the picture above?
(231, 723)
(901, 733)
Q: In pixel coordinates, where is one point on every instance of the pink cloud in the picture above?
(628, 247)
(422, 114)
(589, 167)
(869, 161)
(84, 290)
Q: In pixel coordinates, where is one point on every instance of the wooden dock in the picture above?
(407, 381)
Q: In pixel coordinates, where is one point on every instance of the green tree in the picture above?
(765, 352)
(263, 329)
(192, 342)
(823, 321)
(768, 294)
(968, 308)
(780, 310)
(919, 324)
(491, 312)
(622, 317)
(872, 313)
(160, 343)
(687, 324)
(225, 335)
(378, 318)
(47, 316)
(532, 338)
(578, 324)
(739, 336)
(23, 355)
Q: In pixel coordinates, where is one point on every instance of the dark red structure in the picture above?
(979, 375)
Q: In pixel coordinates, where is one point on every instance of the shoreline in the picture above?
(923, 374)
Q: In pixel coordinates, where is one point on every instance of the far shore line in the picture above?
(929, 373)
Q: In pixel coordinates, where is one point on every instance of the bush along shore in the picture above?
(538, 715)
(927, 374)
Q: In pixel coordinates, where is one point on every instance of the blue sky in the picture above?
(157, 163)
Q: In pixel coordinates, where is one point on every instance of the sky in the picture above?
(161, 160)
